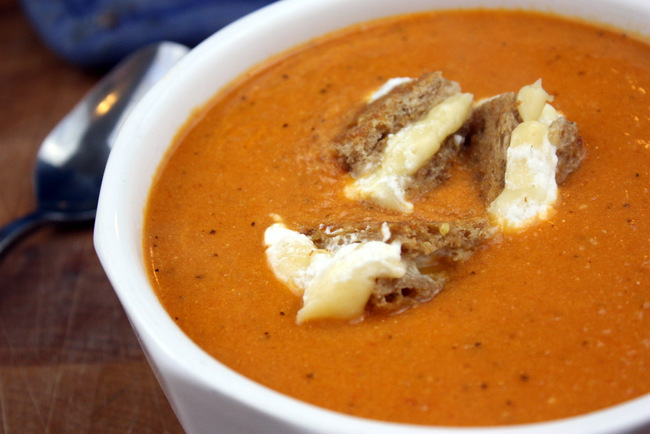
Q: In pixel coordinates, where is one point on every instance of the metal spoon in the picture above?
(70, 163)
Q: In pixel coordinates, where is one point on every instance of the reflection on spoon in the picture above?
(70, 163)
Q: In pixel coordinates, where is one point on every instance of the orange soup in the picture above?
(545, 323)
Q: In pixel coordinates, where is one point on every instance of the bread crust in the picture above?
(570, 151)
(491, 125)
(454, 240)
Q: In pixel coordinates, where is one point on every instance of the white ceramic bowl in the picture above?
(206, 395)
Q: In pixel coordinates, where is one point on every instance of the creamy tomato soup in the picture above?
(539, 324)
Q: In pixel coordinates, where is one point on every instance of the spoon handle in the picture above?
(16, 229)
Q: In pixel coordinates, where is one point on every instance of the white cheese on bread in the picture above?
(407, 151)
(333, 284)
(530, 187)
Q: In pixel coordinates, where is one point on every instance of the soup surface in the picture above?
(546, 323)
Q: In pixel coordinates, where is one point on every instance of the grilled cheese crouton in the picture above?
(342, 270)
(522, 148)
(404, 139)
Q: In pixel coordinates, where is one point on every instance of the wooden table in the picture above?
(69, 361)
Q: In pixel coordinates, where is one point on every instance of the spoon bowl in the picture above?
(70, 163)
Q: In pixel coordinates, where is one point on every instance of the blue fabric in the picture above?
(97, 33)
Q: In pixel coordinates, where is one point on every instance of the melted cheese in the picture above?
(333, 284)
(530, 187)
(407, 151)
(387, 87)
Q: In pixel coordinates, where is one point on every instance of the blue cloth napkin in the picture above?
(98, 33)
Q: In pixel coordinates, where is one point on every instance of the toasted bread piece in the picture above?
(361, 145)
(454, 240)
(491, 126)
(434, 245)
(565, 136)
(397, 295)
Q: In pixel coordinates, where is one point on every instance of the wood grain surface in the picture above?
(69, 361)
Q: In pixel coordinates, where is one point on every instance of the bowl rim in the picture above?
(120, 210)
